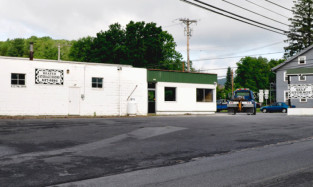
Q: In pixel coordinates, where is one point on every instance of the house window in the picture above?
(97, 82)
(302, 78)
(204, 95)
(170, 94)
(303, 100)
(17, 79)
(302, 60)
(286, 96)
(286, 77)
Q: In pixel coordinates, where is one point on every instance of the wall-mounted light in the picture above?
(68, 71)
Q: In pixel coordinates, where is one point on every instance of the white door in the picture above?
(74, 99)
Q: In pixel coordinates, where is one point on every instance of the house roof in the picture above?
(292, 58)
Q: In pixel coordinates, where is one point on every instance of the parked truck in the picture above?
(243, 101)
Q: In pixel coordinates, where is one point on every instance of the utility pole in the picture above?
(59, 52)
(232, 83)
(188, 31)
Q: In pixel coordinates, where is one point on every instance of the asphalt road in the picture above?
(41, 152)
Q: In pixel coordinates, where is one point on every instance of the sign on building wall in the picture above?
(300, 91)
(49, 76)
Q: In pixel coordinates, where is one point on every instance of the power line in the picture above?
(254, 12)
(171, 25)
(194, 4)
(278, 5)
(248, 50)
(216, 69)
(239, 16)
(266, 8)
(204, 59)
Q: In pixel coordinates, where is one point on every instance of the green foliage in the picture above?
(300, 33)
(16, 47)
(255, 73)
(228, 79)
(140, 44)
(44, 48)
(81, 50)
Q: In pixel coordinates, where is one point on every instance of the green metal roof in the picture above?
(181, 77)
(298, 71)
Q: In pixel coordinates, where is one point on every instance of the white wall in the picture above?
(186, 99)
(36, 99)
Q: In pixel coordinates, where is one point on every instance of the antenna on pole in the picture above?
(188, 31)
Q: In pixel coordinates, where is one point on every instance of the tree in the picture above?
(139, 44)
(228, 83)
(109, 46)
(16, 47)
(81, 49)
(252, 73)
(300, 33)
(272, 63)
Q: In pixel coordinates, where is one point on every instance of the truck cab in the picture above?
(242, 102)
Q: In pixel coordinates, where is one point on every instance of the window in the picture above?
(286, 96)
(170, 94)
(97, 82)
(286, 77)
(302, 60)
(17, 79)
(151, 85)
(303, 100)
(204, 95)
(302, 78)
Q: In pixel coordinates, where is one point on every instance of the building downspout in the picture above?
(119, 69)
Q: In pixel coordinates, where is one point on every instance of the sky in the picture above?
(214, 37)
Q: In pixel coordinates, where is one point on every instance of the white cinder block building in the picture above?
(47, 87)
(43, 87)
(181, 92)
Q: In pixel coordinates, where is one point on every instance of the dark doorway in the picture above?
(151, 97)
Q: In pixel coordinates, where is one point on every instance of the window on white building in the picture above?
(170, 94)
(204, 95)
(302, 60)
(17, 79)
(302, 78)
(97, 82)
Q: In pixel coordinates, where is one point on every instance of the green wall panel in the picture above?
(300, 71)
(181, 77)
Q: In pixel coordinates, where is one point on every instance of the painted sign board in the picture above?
(300, 91)
(49, 76)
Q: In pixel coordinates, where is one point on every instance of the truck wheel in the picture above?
(284, 110)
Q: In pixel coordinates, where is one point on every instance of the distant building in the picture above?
(49, 87)
(299, 69)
